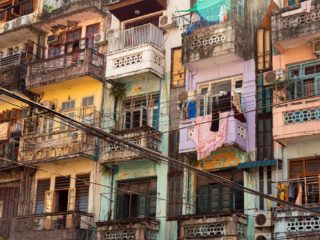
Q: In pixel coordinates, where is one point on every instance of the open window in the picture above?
(140, 205)
(141, 111)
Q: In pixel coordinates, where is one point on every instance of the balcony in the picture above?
(59, 141)
(9, 145)
(12, 71)
(141, 228)
(211, 227)
(296, 118)
(127, 9)
(70, 225)
(16, 18)
(83, 65)
(288, 222)
(235, 133)
(134, 51)
(61, 13)
(146, 137)
(296, 25)
(214, 44)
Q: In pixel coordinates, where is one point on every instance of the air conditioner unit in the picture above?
(263, 219)
(8, 26)
(24, 20)
(53, 39)
(271, 77)
(262, 236)
(316, 47)
(100, 38)
(166, 22)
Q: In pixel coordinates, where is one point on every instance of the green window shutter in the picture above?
(120, 201)
(204, 197)
(215, 198)
(152, 204)
(142, 206)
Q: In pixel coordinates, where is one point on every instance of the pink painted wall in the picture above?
(293, 55)
(230, 69)
(293, 130)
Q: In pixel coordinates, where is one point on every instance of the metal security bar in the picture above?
(134, 37)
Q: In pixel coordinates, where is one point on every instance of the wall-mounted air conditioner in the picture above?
(316, 47)
(263, 219)
(262, 236)
(271, 77)
(167, 21)
(100, 38)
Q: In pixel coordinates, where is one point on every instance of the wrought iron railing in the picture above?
(302, 191)
(134, 37)
(61, 139)
(83, 61)
(12, 68)
(16, 10)
(147, 137)
(53, 221)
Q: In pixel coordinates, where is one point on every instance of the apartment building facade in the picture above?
(295, 39)
(228, 87)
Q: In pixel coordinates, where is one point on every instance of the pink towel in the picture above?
(206, 140)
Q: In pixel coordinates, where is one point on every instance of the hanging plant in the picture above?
(118, 91)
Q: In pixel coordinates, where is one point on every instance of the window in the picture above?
(141, 111)
(47, 128)
(82, 192)
(215, 198)
(140, 205)
(263, 49)
(175, 195)
(11, 9)
(42, 186)
(91, 30)
(304, 80)
(177, 68)
(208, 92)
(87, 101)
(304, 181)
(67, 105)
(54, 51)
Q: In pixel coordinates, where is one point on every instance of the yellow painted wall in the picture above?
(222, 158)
(71, 167)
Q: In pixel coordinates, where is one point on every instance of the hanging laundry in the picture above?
(208, 141)
(219, 104)
(192, 109)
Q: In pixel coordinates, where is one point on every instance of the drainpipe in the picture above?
(113, 170)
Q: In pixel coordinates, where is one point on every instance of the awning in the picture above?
(256, 164)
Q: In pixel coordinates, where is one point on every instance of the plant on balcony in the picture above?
(118, 91)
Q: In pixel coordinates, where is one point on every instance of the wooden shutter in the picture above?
(62, 183)
(82, 193)
(42, 187)
(178, 70)
(71, 199)
(48, 202)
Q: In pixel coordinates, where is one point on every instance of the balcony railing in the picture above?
(146, 136)
(84, 62)
(135, 37)
(60, 141)
(12, 71)
(209, 227)
(16, 10)
(70, 225)
(141, 228)
(294, 22)
(304, 191)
